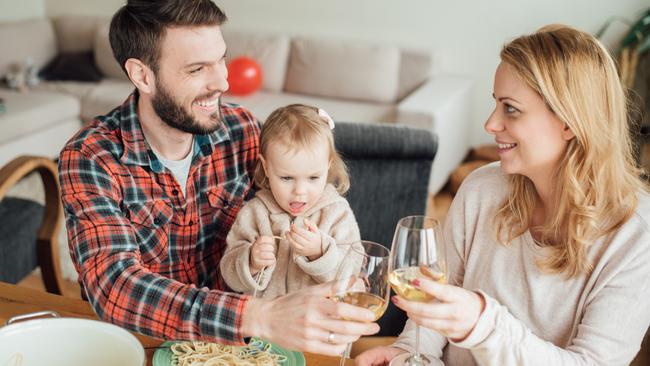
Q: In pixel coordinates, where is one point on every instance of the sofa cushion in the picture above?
(105, 97)
(76, 33)
(45, 141)
(270, 51)
(77, 89)
(104, 55)
(343, 69)
(33, 111)
(415, 68)
(75, 66)
(28, 39)
(262, 103)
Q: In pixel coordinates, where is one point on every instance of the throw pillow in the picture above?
(78, 66)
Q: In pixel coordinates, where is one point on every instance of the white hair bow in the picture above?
(326, 117)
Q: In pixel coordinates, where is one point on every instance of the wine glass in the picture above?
(362, 279)
(417, 251)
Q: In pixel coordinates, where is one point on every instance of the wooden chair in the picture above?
(26, 212)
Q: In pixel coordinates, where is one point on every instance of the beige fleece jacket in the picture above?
(262, 216)
(535, 318)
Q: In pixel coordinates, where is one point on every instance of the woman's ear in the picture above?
(567, 134)
(141, 75)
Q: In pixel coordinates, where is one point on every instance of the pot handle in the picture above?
(38, 314)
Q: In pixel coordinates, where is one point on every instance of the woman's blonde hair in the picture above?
(300, 126)
(597, 179)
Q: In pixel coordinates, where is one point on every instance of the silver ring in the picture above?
(330, 338)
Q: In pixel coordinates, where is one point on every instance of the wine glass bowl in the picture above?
(362, 278)
(400, 281)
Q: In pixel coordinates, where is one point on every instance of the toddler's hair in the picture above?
(300, 126)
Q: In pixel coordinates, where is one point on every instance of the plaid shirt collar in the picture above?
(136, 148)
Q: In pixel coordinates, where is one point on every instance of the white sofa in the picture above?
(353, 81)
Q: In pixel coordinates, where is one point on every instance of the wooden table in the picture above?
(17, 300)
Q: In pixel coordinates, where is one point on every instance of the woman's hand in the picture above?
(378, 356)
(306, 242)
(453, 313)
(262, 254)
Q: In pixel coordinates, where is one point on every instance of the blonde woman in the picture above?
(294, 228)
(548, 250)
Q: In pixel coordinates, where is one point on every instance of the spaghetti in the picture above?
(256, 353)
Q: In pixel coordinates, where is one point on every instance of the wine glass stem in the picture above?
(345, 354)
(417, 341)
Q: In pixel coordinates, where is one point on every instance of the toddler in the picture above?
(298, 226)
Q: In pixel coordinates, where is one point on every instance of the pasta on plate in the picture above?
(256, 353)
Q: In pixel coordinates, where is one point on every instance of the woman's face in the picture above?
(531, 139)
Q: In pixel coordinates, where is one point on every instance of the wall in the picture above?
(466, 35)
(21, 9)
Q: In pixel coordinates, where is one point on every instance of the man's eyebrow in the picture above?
(198, 63)
(203, 63)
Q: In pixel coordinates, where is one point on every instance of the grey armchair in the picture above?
(389, 172)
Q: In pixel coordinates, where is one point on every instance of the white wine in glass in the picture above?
(362, 279)
(365, 300)
(417, 252)
(400, 280)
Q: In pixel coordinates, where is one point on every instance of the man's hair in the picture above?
(138, 27)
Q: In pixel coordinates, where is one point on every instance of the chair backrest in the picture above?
(29, 230)
(389, 176)
(20, 220)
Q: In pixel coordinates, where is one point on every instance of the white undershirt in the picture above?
(180, 168)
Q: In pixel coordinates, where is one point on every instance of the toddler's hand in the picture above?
(262, 254)
(306, 242)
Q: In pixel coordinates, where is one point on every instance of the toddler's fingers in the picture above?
(311, 226)
(300, 233)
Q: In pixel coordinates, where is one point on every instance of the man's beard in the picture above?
(175, 116)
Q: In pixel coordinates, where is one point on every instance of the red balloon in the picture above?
(244, 76)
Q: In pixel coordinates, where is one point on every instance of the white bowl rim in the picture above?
(79, 323)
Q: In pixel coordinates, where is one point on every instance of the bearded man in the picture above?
(151, 189)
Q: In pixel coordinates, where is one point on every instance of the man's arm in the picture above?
(120, 288)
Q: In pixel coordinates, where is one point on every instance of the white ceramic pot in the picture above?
(68, 342)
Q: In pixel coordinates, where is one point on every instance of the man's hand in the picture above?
(306, 242)
(303, 321)
(262, 254)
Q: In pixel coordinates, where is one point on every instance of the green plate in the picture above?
(163, 356)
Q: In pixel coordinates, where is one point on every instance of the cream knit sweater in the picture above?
(534, 318)
(263, 216)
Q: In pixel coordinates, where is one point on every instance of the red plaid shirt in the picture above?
(148, 257)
